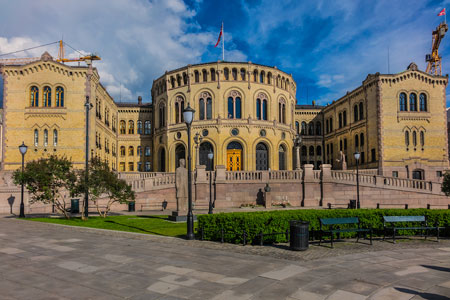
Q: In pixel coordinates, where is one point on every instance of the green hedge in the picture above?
(253, 223)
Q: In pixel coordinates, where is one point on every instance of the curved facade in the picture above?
(243, 114)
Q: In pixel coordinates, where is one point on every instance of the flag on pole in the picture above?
(220, 36)
(442, 13)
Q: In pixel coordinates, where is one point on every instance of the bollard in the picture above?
(378, 205)
(406, 206)
(202, 229)
(329, 205)
(261, 237)
(428, 206)
(244, 237)
(221, 234)
(287, 235)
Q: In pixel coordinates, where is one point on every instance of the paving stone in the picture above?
(339, 295)
(78, 267)
(207, 276)
(412, 270)
(11, 250)
(175, 270)
(445, 284)
(162, 287)
(117, 258)
(360, 287)
(180, 280)
(227, 295)
(304, 295)
(232, 280)
(394, 293)
(284, 273)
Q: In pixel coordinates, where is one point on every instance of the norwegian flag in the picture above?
(220, 36)
(442, 13)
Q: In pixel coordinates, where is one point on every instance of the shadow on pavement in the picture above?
(428, 296)
(443, 269)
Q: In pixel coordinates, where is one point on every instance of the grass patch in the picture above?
(158, 225)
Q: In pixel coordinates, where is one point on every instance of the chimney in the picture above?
(139, 100)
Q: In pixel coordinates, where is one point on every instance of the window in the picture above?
(255, 75)
(318, 128)
(59, 96)
(282, 111)
(303, 132)
(394, 173)
(45, 137)
(407, 138)
(355, 113)
(131, 151)
(326, 126)
(122, 150)
(147, 127)
(361, 111)
(147, 166)
(422, 138)
(147, 151)
(438, 174)
(402, 102)
(178, 80)
(297, 127)
(319, 150)
(139, 165)
(139, 127)
(172, 81)
(423, 102)
(205, 106)
(361, 139)
(311, 128)
(373, 155)
(243, 74)
(55, 137)
(36, 137)
(196, 76)
(363, 158)
(311, 150)
(340, 120)
(261, 107)
(130, 127)
(304, 150)
(412, 102)
(179, 109)
(340, 145)
(162, 115)
(345, 144)
(234, 73)
(331, 124)
(139, 151)
(205, 75)
(414, 138)
(261, 77)
(213, 75)
(122, 127)
(185, 78)
(34, 96)
(47, 96)
(226, 73)
(131, 166)
(344, 118)
(122, 167)
(356, 142)
(269, 78)
(234, 105)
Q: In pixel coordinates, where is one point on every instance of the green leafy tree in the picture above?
(446, 184)
(104, 183)
(49, 180)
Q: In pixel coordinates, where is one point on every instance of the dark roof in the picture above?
(133, 104)
(308, 106)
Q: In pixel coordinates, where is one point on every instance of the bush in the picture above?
(253, 223)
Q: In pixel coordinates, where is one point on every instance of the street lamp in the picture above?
(197, 140)
(87, 105)
(23, 149)
(210, 157)
(297, 142)
(357, 156)
(188, 115)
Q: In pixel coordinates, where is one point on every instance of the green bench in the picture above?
(331, 229)
(389, 223)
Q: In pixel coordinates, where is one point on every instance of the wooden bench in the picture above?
(331, 230)
(392, 220)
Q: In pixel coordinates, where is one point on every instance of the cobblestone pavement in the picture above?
(47, 261)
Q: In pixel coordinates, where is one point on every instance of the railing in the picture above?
(243, 175)
(407, 183)
(142, 175)
(317, 174)
(285, 175)
(160, 181)
(211, 173)
(343, 175)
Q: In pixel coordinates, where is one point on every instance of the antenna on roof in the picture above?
(389, 67)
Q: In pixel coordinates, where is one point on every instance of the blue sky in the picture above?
(328, 46)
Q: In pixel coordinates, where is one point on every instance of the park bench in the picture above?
(331, 229)
(393, 220)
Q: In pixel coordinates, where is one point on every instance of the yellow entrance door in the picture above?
(234, 160)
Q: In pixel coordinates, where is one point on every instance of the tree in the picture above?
(446, 184)
(48, 180)
(104, 182)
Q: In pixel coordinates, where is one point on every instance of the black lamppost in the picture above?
(87, 105)
(23, 149)
(188, 115)
(357, 156)
(210, 157)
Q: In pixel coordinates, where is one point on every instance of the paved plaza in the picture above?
(46, 261)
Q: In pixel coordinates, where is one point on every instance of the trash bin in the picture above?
(131, 206)
(299, 235)
(352, 204)
(75, 206)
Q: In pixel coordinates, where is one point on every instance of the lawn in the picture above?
(158, 225)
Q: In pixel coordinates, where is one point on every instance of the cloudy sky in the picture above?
(328, 47)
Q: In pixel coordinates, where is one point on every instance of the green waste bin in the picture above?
(299, 235)
(75, 206)
(131, 206)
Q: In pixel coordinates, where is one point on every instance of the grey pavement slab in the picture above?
(45, 261)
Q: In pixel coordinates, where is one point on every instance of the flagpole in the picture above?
(223, 44)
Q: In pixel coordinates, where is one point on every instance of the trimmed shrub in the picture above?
(234, 224)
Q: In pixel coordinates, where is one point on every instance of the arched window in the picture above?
(318, 128)
(261, 77)
(407, 138)
(122, 127)
(47, 96)
(213, 74)
(162, 115)
(282, 111)
(234, 73)
(413, 102)
(55, 137)
(361, 111)
(205, 105)
(185, 78)
(122, 150)
(34, 96)
(311, 128)
(422, 138)
(402, 102)
(147, 151)
(340, 120)
(297, 127)
(340, 145)
(196, 76)
(226, 73)
(205, 149)
(243, 74)
(261, 107)
(331, 124)
(311, 150)
(180, 153)
(147, 166)
(172, 82)
(326, 126)
(178, 80)
(319, 150)
(255, 75)
(147, 127)
(304, 151)
(355, 113)
(205, 75)
(361, 139)
(356, 142)
(131, 151)
(423, 102)
(303, 132)
(139, 151)
(344, 118)
(234, 105)
(414, 138)
(45, 137)
(130, 127)
(36, 138)
(282, 158)
(179, 109)
(139, 127)
(269, 78)
(59, 96)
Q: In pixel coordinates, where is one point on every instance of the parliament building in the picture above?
(246, 114)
